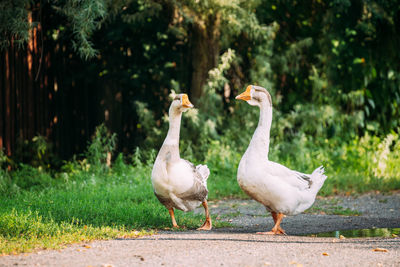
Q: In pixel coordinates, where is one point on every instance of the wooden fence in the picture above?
(39, 96)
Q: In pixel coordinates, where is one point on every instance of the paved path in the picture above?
(375, 211)
(241, 246)
(220, 249)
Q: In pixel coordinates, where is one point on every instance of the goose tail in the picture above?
(318, 178)
(203, 170)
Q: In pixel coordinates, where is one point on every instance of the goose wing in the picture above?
(199, 189)
(297, 179)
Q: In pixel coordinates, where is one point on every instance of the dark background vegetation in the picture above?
(68, 66)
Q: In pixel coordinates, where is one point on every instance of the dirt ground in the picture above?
(239, 245)
(374, 211)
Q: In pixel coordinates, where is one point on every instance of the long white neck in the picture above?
(170, 147)
(260, 141)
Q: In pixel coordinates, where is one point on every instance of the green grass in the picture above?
(26, 231)
(333, 210)
(81, 206)
(231, 215)
(83, 202)
(331, 207)
(87, 207)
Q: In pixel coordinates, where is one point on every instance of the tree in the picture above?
(82, 63)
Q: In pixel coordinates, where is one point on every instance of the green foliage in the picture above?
(84, 18)
(100, 149)
(378, 157)
(150, 128)
(30, 178)
(315, 58)
(217, 80)
(338, 55)
(367, 163)
(327, 53)
(24, 177)
(14, 22)
(200, 128)
(236, 17)
(37, 152)
(223, 160)
(6, 185)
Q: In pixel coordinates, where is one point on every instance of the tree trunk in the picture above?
(205, 52)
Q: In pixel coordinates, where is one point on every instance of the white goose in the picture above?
(281, 190)
(177, 183)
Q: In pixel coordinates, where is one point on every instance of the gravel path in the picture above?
(240, 246)
(376, 211)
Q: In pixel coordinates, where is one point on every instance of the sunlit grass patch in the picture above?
(27, 231)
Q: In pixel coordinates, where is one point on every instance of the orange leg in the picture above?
(171, 213)
(275, 217)
(276, 230)
(207, 225)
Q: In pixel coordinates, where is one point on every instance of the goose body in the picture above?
(177, 183)
(281, 190)
(183, 187)
(278, 188)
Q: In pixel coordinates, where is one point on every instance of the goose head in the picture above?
(181, 103)
(255, 96)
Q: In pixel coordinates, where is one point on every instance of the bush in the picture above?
(29, 178)
(101, 148)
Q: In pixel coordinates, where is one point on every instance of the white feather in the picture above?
(172, 176)
(277, 187)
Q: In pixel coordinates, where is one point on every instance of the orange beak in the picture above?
(245, 95)
(185, 101)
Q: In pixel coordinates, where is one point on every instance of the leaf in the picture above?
(297, 264)
(358, 60)
(380, 250)
(371, 102)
